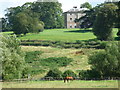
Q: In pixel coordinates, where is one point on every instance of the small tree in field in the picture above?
(23, 24)
(69, 73)
(55, 73)
(104, 22)
(12, 58)
(107, 62)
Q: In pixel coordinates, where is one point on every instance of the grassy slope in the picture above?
(80, 61)
(61, 84)
(61, 35)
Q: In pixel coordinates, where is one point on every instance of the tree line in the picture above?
(102, 18)
(106, 63)
(33, 17)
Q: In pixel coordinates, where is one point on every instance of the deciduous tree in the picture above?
(50, 13)
(107, 62)
(12, 58)
(104, 22)
(86, 5)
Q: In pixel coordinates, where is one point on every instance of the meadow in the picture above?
(61, 84)
(62, 34)
(80, 61)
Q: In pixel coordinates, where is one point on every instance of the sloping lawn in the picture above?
(61, 35)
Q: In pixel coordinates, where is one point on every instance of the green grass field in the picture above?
(80, 61)
(61, 84)
(62, 35)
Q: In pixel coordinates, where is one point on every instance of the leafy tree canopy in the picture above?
(12, 58)
(22, 20)
(107, 62)
(104, 22)
(50, 13)
(86, 5)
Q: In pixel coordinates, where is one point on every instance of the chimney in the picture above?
(75, 7)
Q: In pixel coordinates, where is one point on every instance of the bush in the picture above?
(102, 45)
(55, 73)
(89, 74)
(69, 73)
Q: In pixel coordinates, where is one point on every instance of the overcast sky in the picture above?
(66, 4)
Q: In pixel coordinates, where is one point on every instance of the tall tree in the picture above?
(50, 13)
(87, 20)
(10, 13)
(23, 20)
(104, 21)
(13, 62)
(4, 24)
(21, 23)
(107, 62)
(86, 5)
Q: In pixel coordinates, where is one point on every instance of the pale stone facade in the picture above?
(70, 16)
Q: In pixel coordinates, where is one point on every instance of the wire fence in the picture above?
(79, 78)
(62, 78)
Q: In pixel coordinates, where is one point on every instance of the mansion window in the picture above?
(70, 25)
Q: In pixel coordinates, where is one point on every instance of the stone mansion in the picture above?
(71, 15)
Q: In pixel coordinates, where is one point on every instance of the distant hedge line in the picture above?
(61, 44)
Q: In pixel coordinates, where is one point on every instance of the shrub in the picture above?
(55, 73)
(102, 45)
(89, 74)
(69, 73)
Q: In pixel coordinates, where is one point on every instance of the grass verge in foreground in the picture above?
(61, 84)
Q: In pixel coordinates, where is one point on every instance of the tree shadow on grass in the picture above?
(79, 31)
